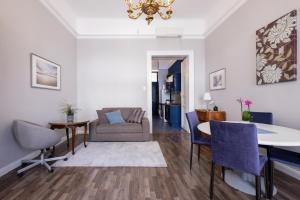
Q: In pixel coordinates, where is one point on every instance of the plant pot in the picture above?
(246, 116)
(70, 118)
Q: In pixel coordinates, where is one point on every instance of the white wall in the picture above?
(113, 72)
(233, 46)
(26, 27)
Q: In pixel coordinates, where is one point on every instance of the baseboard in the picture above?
(8, 168)
(288, 170)
(17, 163)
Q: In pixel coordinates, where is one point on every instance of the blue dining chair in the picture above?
(196, 137)
(261, 117)
(283, 156)
(235, 146)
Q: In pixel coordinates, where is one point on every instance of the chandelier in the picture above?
(150, 8)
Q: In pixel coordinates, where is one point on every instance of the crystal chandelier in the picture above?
(150, 8)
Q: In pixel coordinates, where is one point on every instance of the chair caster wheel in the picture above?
(51, 170)
(65, 159)
(20, 174)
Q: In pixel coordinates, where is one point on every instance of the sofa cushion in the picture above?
(102, 117)
(115, 117)
(136, 116)
(119, 128)
(126, 112)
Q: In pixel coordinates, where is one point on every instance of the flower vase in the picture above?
(70, 118)
(246, 115)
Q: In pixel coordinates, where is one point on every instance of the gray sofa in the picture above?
(101, 130)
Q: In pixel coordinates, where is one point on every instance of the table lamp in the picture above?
(207, 98)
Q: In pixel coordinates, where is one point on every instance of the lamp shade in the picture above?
(207, 96)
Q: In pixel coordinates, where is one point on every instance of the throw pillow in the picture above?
(115, 117)
(136, 116)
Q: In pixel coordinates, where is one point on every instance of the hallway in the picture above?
(159, 126)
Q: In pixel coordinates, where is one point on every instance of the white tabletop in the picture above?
(270, 135)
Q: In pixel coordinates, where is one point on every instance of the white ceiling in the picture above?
(117, 8)
(100, 18)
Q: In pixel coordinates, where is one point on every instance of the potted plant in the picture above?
(245, 113)
(70, 111)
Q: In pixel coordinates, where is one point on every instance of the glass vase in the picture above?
(246, 116)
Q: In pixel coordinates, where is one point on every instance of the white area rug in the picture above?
(116, 154)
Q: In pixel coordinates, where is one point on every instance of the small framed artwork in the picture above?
(217, 80)
(44, 73)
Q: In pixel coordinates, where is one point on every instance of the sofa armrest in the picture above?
(146, 128)
(92, 127)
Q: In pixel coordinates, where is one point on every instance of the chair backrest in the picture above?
(193, 122)
(235, 145)
(261, 117)
(33, 136)
(125, 111)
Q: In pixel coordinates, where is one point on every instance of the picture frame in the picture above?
(217, 80)
(45, 74)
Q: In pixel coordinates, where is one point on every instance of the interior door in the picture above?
(184, 92)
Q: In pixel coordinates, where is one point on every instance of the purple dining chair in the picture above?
(261, 117)
(235, 146)
(283, 156)
(196, 137)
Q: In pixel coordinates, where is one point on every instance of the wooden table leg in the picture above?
(85, 134)
(68, 138)
(73, 139)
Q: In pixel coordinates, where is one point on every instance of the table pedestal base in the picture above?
(244, 182)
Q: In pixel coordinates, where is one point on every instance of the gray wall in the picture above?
(113, 72)
(232, 46)
(26, 26)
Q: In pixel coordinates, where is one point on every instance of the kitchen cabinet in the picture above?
(175, 116)
(177, 83)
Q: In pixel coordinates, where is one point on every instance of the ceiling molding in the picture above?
(222, 18)
(134, 36)
(59, 17)
(88, 31)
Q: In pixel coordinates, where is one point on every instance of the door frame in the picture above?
(191, 75)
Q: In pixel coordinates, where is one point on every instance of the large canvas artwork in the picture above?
(276, 51)
(44, 73)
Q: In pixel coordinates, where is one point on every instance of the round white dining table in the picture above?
(267, 135)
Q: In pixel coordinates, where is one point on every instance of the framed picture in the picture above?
(217, 80)
(276, 51)
(44, 73)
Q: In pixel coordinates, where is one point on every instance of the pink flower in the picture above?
(248, 102)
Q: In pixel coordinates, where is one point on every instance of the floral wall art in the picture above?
(276, 51)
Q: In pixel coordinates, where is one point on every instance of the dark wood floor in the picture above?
(161, 127)
(174, 182)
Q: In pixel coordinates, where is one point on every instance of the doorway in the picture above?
(175, 86)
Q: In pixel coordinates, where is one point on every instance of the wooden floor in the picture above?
(161, 127)
(174, 182)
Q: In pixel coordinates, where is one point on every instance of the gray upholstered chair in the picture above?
(34, 137)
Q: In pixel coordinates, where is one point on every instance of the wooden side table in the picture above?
(73, 126)
(205, 116)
